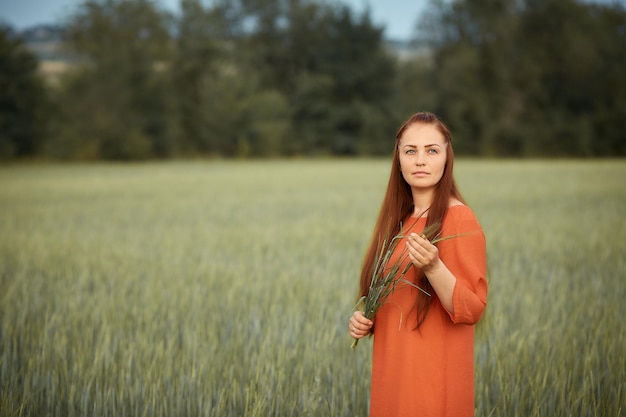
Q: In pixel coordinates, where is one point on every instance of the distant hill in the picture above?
(407, 50)
(46, 42)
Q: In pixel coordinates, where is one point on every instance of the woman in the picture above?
(423, 358)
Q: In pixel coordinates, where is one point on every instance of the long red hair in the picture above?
(397, 206)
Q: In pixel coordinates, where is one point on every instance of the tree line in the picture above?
(274, 78)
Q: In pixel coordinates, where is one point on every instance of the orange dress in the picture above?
(430, 372)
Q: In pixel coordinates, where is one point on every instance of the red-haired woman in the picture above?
(423, 358)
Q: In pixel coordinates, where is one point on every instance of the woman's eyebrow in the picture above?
(408, 145)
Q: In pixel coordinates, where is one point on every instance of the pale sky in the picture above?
(397, 16)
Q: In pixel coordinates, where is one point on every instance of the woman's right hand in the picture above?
(359, 325)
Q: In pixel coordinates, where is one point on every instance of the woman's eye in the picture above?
(409, 151)
(432, 151)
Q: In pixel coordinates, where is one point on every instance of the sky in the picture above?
(397, 16)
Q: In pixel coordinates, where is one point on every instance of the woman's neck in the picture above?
(421, 203)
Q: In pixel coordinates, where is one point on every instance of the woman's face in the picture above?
(422, 151)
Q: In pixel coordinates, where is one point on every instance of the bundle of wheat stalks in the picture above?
(385, 277)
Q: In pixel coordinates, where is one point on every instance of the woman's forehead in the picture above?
(420, 134)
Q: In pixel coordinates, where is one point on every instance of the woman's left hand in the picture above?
(423, 254)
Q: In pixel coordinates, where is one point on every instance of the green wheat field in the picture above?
(216, 288)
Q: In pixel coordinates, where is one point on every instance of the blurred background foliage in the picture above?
(275, 78)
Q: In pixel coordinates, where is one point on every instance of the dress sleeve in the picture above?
(465, 256)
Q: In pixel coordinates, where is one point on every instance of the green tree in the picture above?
(574, 64)
(538, 77)
(200, 42)
(223, 107)
(354, 56)
(412, 92)
(24, 108)
(609, 98)
(330, 64)
(472, 44)
(245, 119)
(117, 103)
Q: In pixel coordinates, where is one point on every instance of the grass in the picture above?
(223, 288)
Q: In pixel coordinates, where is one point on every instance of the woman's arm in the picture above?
(456, 269)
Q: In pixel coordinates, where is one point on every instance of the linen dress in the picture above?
(430, 372)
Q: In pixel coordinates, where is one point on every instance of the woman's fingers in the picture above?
(359, 317)
(422, 253)
(359, 325)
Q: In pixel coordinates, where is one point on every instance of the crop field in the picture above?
(213, 288)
